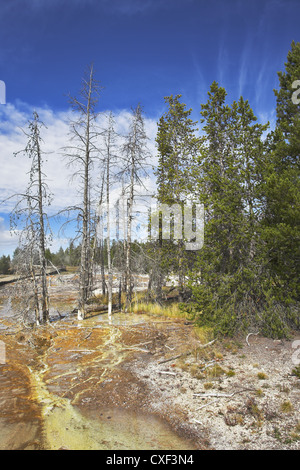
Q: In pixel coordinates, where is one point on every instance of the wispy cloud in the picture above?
(201, 84)
(244, 66)
(123, 7)
(222, 64)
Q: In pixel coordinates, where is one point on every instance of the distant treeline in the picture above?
(141, 256)
(70, 256)
(5, 264)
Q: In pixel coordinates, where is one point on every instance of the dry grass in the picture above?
(140, 305)
(203, 334)
(171, 311)
(262, 376)
(286, 407)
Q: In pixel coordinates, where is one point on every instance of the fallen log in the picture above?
(166, 372)
(173, 358)
(248, 336)
(222, 395)
(91, 308)
(94, 308)
(9, 279)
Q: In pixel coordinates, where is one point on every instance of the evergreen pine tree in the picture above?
(280, 195)
(224, 280)
(178, 146)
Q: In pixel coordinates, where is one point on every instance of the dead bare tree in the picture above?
(99, 238)
(29, 212)
(82, 156)
(135, 155)
(110, 158)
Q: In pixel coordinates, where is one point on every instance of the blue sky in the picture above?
(143, 50)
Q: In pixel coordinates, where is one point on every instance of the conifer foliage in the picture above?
(247, 177)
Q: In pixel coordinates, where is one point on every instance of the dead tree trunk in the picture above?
(108, 158)
(136, 153)
(31, 211)
(42, 236)
(128, 275)
(82, 157)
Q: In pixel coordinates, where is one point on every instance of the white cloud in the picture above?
(14, 169)
(8, 240)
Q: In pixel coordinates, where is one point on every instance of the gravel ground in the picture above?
(247, 398)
